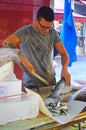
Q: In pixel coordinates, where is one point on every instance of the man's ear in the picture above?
(35, 21)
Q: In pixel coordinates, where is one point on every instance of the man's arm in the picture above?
(12, 39)
(65, 60)
(11, 42)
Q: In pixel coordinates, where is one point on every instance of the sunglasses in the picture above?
(44, 27)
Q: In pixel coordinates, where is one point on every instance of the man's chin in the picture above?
(43, 33)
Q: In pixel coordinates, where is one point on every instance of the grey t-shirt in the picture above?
(38, 49)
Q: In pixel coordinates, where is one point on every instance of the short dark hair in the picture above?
(45, 12)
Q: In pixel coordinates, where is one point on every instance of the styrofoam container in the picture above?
(10, 88)
(21, 108)
(8, 66)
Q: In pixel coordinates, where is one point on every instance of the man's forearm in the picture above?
(65, 61)
(11, 41)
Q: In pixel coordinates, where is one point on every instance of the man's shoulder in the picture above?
(28, 26)
(52, 30)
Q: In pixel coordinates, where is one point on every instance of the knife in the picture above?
(27, 63)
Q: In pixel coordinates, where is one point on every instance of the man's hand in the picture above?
(66, 76)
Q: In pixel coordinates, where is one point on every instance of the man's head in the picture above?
(46, 13)
(44, 19)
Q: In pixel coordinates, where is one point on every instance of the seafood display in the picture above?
(57, 108)
(55, 101)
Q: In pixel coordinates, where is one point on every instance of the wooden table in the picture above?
(42, 122)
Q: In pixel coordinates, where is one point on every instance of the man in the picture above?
(36, 42)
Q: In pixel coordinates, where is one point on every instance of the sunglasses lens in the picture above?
(44, 27)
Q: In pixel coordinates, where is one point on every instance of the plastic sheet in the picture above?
(8, 54)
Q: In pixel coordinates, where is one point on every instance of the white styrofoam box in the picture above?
(10, 88)
(7, 66)
(6, 72)
(7, 76)
(21, 108)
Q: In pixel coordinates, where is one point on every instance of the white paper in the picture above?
(74, 108)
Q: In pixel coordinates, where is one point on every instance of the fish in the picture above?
(58, 86)
(58, 108)
(80, 95)
(54, 103)
(54, 96)
(61, 92)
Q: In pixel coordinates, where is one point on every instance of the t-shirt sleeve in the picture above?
(55, 37)
(22, 33)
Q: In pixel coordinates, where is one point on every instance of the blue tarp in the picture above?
(68, 33)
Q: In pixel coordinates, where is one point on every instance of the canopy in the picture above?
(77, 17)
